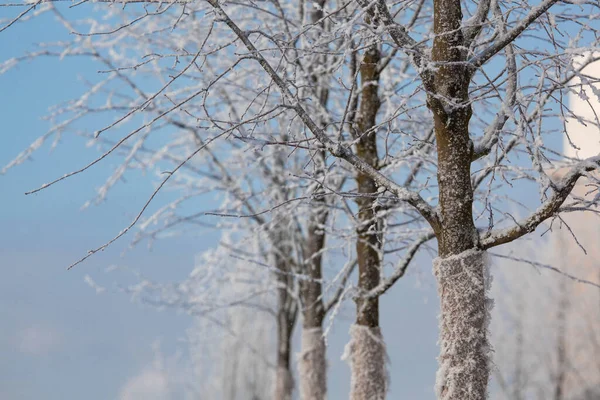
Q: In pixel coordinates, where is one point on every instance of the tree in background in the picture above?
(229, 348)
(559, 296)
(562, 303)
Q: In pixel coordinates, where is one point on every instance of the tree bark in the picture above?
(312, 362)
(464, 318)
(286, 312)
(284, 382)
(313, 365)
(367, 354)
(561, 342)
(368, 245)
(367, 357)
(460, 269)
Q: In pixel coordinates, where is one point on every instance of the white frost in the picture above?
(368, 360)
(312, 365)
(464, 361)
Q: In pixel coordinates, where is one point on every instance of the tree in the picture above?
(460, 270)
(239, 171)
(558, 296)
(229, 347)
(491, 95)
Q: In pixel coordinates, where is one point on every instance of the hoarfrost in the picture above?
(368, 359)
(312, 365)
(463, 282)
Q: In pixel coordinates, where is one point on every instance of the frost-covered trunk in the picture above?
(366, 350)
(561, 342)
(367, 357)
(463, 282)
(284, 382)
(460, 269)
(286, 315)
(312, 363)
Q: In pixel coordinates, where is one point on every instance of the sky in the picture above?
(61, 339)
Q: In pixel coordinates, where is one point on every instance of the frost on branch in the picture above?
(368, 358)
(312, 365)
(463, 282)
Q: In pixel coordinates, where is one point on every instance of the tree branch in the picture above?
(473, 25)
(380, 13)
(341, 287)
(548, 209)
(511, 35)
(401, 267)
(490, 137)
(336, 149)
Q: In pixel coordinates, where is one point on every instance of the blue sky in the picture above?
(59, 339)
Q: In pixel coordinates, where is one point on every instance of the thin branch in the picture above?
(511, 35)
(341, 287)
(401, 267)
(137, 218)
(336, 149)
(548, 209)
(546, 266)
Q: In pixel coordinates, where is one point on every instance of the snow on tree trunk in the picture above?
(366, 350)
(464, 361)
(284, 384)
(367, 357)
(286, 314)
(312, 365)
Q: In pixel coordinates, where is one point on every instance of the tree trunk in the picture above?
(367, 357)
(312, 363)
(284, 382)
(561, 342)
(461, 267)
(464, 349)
(286, 313)
(366, 350)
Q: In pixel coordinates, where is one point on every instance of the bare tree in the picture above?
(558, 296)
